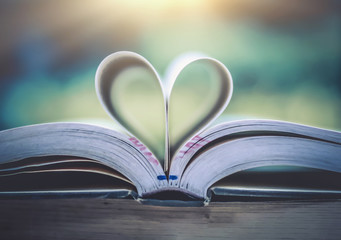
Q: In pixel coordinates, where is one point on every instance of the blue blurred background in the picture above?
(284, 56)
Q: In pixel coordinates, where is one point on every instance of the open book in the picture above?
(166, 149)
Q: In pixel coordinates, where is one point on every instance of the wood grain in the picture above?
(128, 219)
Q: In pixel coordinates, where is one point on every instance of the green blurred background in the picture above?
(284, 56)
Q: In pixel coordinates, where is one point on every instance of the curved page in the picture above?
(198, 90)
(241, 129)
(131, 92)
(250, 152)
(58, 163)
(106, 146)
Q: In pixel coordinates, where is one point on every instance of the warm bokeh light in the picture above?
(284, 56)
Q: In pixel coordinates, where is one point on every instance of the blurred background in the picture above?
(284, 56)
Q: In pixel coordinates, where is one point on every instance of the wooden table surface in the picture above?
(129, 219)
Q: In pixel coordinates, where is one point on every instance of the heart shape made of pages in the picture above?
(163, 116)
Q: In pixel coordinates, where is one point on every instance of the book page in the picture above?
(58, 163)
(110, 148)
(241, 145)
(67, 174)
(131, 91)
(163, 114)
(198, 89)
(278, 182)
